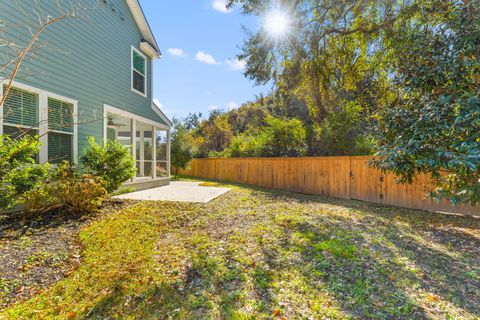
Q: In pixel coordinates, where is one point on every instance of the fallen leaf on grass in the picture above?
(432, 297)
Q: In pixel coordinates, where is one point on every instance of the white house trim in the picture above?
(148, 49)
(134, 138)
(144, 27)
(120, 112)
(43, 127)
(146, 83)
(43, 130)
(160, 113)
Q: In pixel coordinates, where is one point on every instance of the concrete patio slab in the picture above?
(179, 191)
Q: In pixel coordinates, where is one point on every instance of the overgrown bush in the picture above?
(38, 187)
(113, 163)
(41, 197)
(81, 192)
(19, 172)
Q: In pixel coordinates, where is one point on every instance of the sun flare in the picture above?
(277, 23)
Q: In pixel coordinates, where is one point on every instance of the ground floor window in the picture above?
(60, 135)
(28, 110)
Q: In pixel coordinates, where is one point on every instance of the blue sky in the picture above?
(199, 41)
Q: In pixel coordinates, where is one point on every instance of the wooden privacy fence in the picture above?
(339, 177)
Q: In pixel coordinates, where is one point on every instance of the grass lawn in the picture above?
(262, 254)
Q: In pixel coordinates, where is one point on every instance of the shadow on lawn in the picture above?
(375, 282)
(202, 295)
(15, 224)
(383, 263)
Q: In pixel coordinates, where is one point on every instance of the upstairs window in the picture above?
(60, 127)
(139, 72)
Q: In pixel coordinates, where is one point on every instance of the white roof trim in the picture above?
(142, 23)
(162, 115)
(149, 50)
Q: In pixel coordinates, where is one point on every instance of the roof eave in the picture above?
(149, 49)
(143, 25)
(162, 115)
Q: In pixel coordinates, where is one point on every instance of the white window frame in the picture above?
(42, 127)
(132, 70)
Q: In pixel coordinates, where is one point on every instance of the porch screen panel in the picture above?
(161, 153)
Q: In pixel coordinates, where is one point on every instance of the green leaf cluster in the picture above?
(19, 172)
(112, 162)
(433, 126)
(181, 147)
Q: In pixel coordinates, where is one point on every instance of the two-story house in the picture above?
(87, 75)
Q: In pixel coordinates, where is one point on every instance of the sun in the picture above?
(277, 23)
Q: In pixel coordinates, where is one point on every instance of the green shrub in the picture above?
(18, 171)
(123, 190)
(112, 163)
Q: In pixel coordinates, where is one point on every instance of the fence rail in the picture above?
(339, 177)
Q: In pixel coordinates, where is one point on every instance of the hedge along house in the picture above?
(90, 75)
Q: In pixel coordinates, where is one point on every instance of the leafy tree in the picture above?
(283, 137)
(113, 163)
(250, 115)
(181, 147)
(192, 120)
(341, 133)
(411, 66)
(332, 57)
(214, 134)
(434, 124)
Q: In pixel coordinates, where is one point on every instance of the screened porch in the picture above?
(149, 143)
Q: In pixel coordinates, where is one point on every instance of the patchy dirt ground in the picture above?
(261, 254)
(34, 258)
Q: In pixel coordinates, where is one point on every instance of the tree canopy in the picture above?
(397, 77)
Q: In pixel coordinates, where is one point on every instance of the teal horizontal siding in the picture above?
(86, 58)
